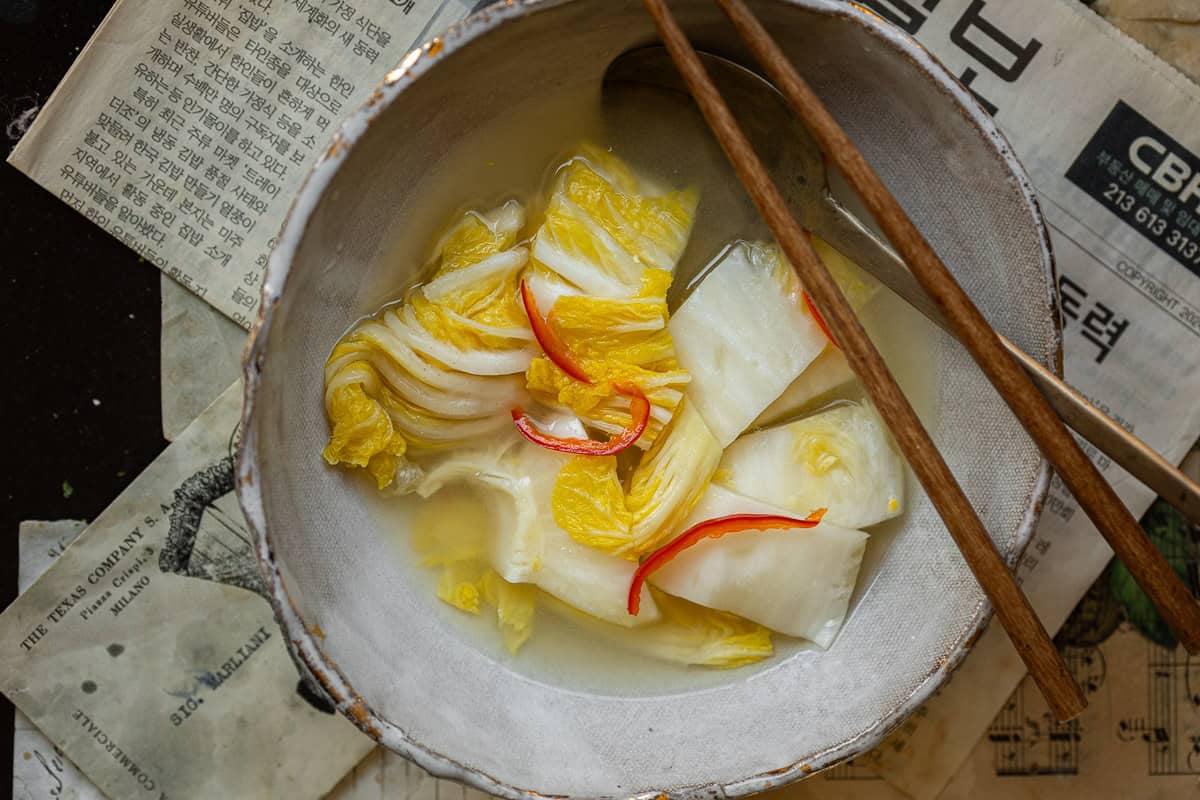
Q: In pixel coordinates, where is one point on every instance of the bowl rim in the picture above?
(301, 642)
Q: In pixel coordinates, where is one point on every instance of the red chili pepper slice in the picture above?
(711, 528)
(554, 348)
(639, 410)
(816, 315)
(808, 301)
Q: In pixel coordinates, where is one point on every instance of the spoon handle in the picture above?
(1012, 607)
(861, 245)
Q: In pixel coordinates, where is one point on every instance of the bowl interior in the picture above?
(437, 691)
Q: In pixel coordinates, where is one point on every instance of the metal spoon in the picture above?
(791, 154)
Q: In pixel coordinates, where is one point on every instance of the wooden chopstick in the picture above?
(1012, 607)
(1094, 495)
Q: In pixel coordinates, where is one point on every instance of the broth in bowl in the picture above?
(609, 414)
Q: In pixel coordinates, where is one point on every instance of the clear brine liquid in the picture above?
(665, 141)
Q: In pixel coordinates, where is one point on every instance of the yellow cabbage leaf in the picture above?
(604, 329)
(598, 403)
(478, 235)
(670, 479)
(693, 634)
(515, 604)
(471, 585)
(441, 368)
(654, 230)
(614, 339)
(685, 633)
(589, 503)
(467, 580)
(604, 228)
(611, 237)
(856, 284)
(461, 584)
(486, 293)
(363, 434)
(467, 333)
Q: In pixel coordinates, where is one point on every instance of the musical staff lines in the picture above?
(1170, 729)
(1025, 737)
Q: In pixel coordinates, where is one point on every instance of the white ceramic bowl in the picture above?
(407, 675)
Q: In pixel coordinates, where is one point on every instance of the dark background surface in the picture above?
(79, 322)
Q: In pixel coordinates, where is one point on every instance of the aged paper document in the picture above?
(40, 769)
(185, 127)
(200, 355)
(148, 654)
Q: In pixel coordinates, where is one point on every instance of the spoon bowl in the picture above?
(789, 153)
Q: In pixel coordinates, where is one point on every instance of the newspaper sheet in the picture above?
(42, 770)
(383, 775)
(266, 680)
(185, 127)
(39, 768)
(149, 655)
(1108, 134)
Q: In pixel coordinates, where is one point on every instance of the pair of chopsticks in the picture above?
(1092, 492)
